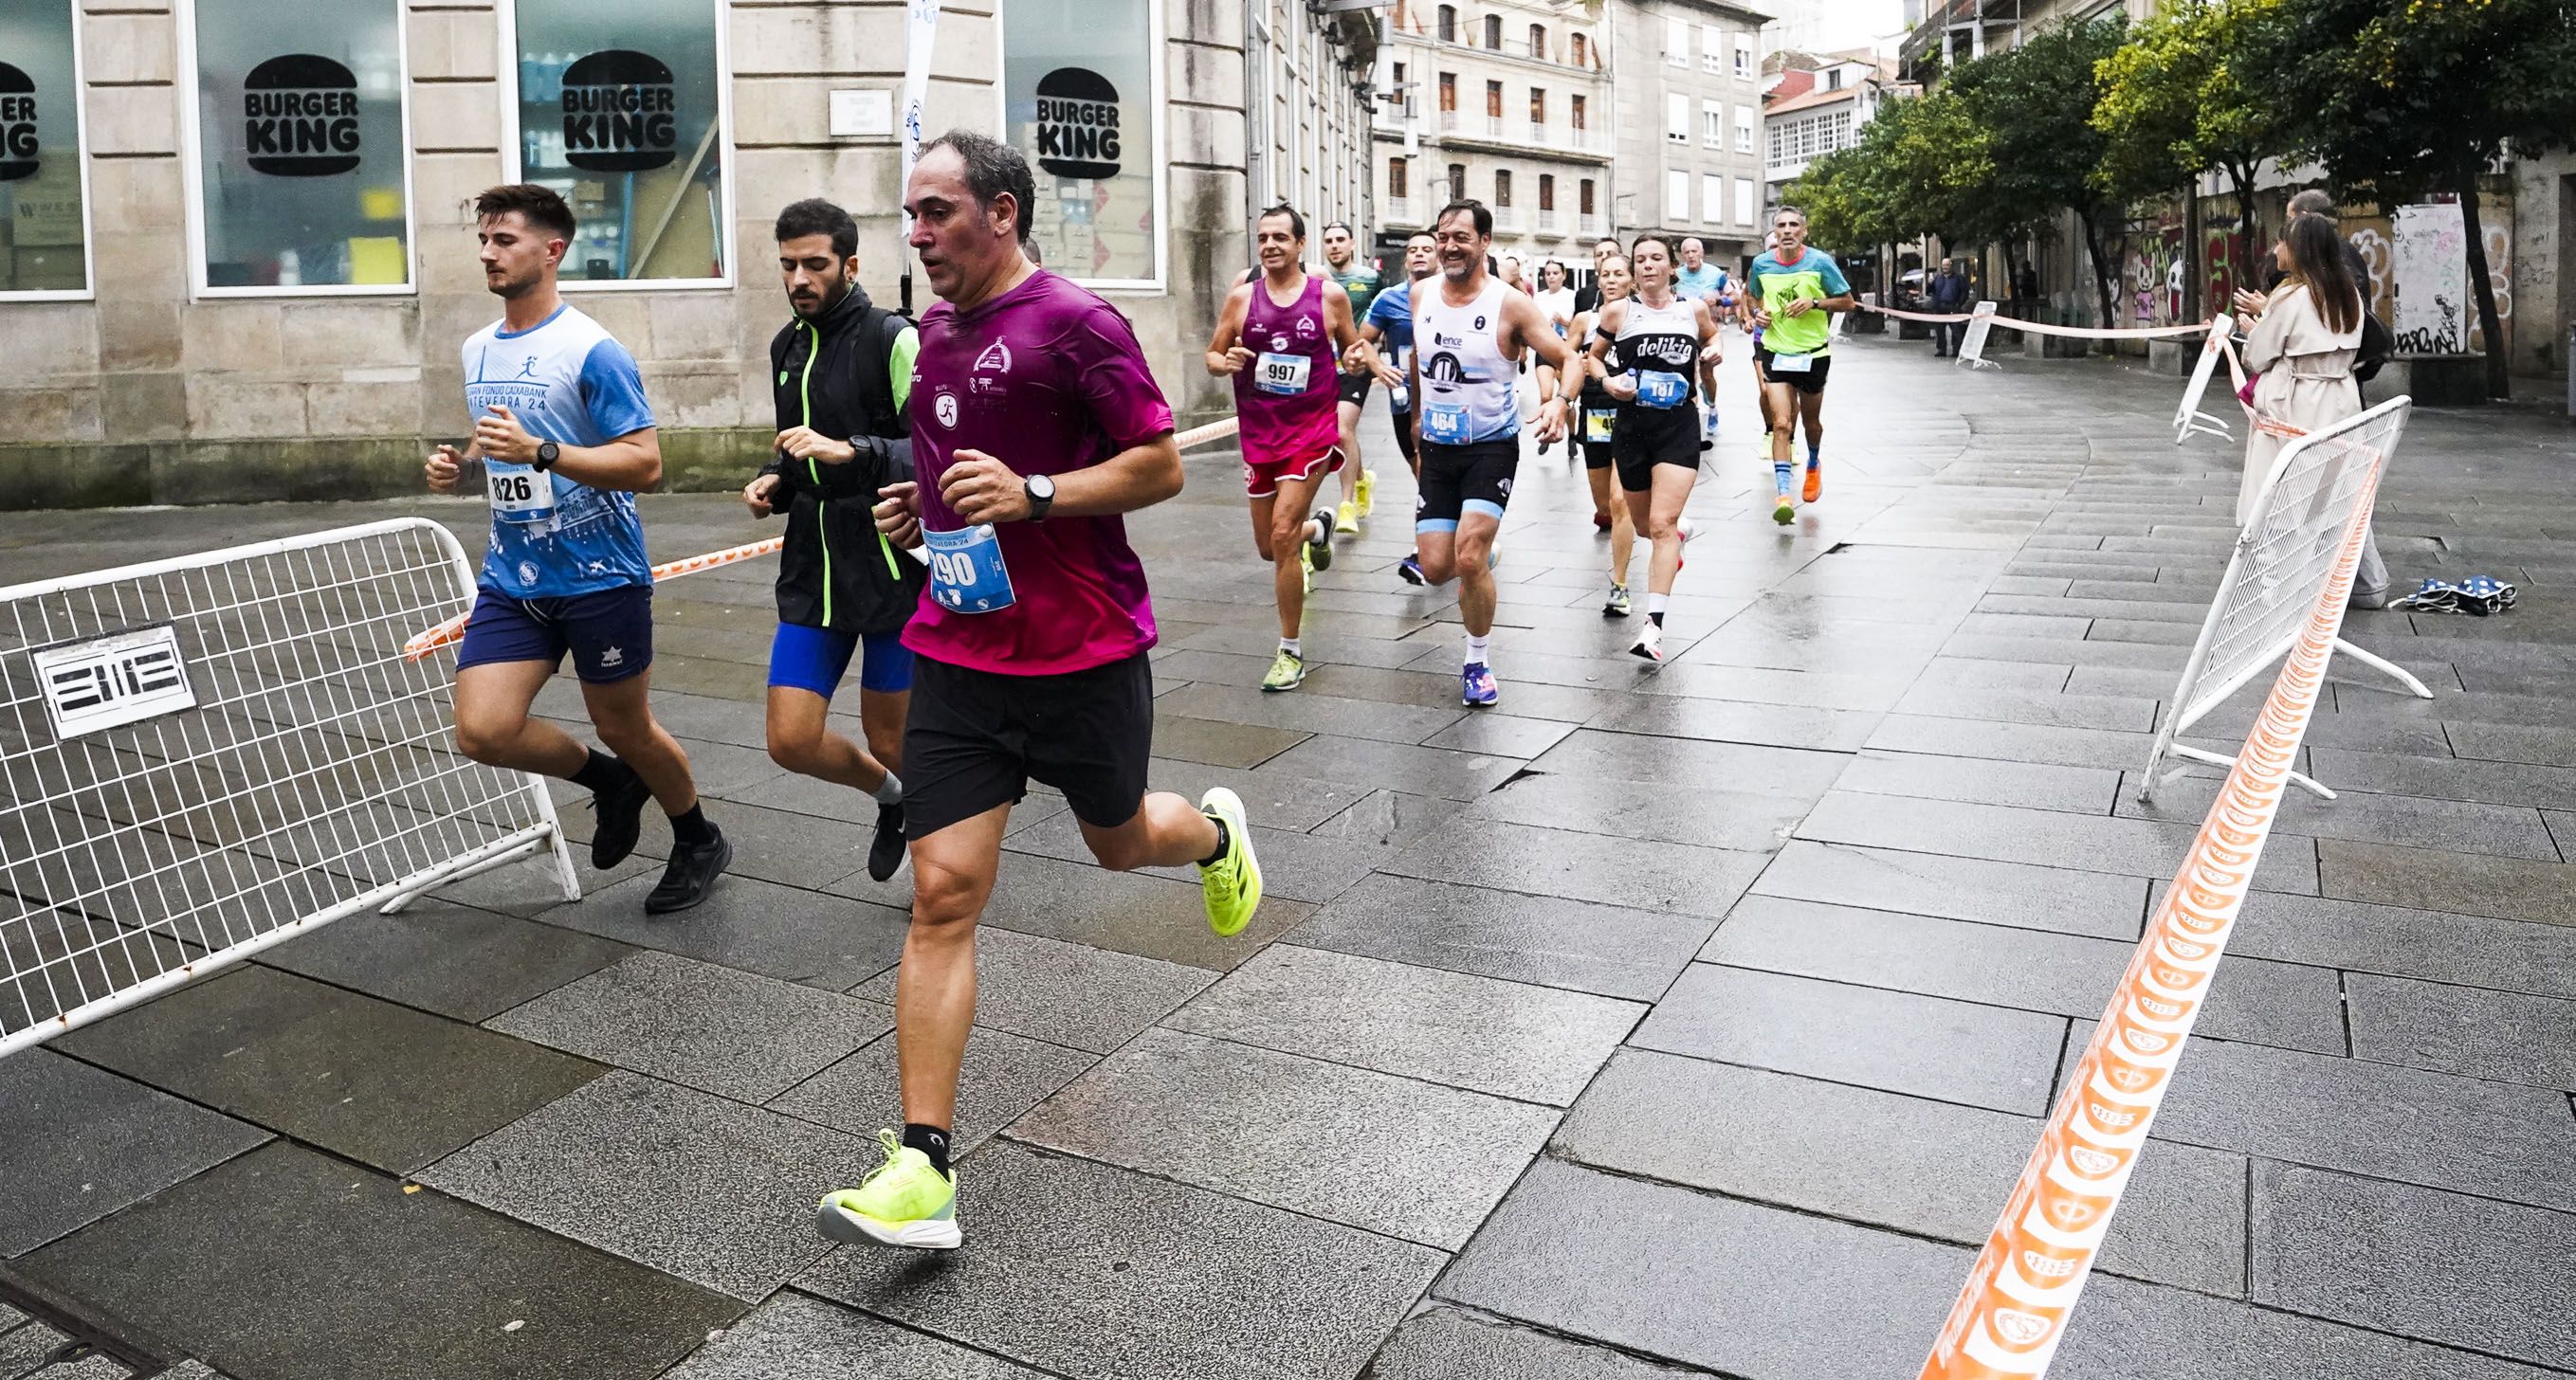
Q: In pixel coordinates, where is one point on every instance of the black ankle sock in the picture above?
(601, 773)
(1222, 838)
(692, 829)
(1657, 618)
(931, 1141)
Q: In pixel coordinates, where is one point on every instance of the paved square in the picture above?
(1678, 1020)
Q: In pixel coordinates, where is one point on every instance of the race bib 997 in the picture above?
(1285, 375)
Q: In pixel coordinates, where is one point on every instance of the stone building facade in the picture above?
(239, 274)
(1690, 157)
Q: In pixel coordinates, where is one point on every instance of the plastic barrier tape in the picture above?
(447, 633)
(2046, 328)
(2014, 1308)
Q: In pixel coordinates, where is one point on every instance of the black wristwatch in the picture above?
(1041, 492)
(547, 454)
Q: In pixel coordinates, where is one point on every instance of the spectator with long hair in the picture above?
(2301, 347)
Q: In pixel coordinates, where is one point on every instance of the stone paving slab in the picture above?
(383, 1084)
(2417, 1262)
(798, 1337)
(1510, 1039)
(1983, 1056)
(2506, 1036)
(2471, 950)
(720, 1030)
(134, 1141)
(690, 1184)
(1453, 1344)
(1066, 994)
(1640, 1265)
(452, 960)
(2056, 899)
(419, 1284)
(761, 927)
(1002, 1076)
(1646, 874)
(1611, 950)
(1097, 1273)
(1391, 1155)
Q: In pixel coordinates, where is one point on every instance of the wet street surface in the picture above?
(1689, 1017)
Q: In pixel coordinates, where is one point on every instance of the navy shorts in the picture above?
(815, 659)
(609, 632)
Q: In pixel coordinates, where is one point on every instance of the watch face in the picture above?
(1042, 487)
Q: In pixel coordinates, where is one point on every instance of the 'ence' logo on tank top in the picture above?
(300, 117)
(620, 112)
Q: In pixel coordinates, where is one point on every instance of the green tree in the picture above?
(2398, 100)
(2175, 104)
(2034, 105)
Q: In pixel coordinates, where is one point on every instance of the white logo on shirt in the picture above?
(1306, 326)
(996, 357)
(947, 409)
(527, 572)
(614, 656)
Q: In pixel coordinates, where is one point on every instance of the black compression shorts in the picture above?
(973, 739)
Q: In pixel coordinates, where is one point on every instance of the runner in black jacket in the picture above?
(842, 372)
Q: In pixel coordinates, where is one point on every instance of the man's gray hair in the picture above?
(2315, 201)
(993, 170)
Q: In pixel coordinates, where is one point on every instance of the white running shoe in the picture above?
(1650, 642)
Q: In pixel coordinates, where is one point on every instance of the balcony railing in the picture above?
(1590, 226)
(1507, 218)
(1550, 222)
(1535, 134)
(1397, 210)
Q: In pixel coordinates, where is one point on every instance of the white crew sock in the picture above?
(1655, 603)
(889, 791)
(1292, 647)
(1476, 649)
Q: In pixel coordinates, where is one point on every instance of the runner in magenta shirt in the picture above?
(1049, 378)
(1280, 338)
(1035, 426)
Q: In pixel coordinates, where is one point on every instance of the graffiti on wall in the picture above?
(2430, 252)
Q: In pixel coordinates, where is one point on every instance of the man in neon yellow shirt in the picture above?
(1795, 290)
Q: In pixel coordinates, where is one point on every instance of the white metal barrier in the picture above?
(1972, 347)
(212, 754)
(2189, 418)
(2282, 558)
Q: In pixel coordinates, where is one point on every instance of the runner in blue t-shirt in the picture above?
(1389, 329)
(565, 440)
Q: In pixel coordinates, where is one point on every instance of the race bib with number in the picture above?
(1599, 424)
(1285, 375)
(519, 493)
(1661, 388)
(1791, 364)
(1445, 423)
(966, 570)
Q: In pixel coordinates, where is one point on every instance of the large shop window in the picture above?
(301, 179)
(43, 213)
(627, 119)
(1081, 91)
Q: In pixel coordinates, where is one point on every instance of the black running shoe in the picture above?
(691, 875)
(619, 821)
(885, 855)
(1319, 547)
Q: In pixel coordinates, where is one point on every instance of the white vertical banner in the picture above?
(1973, 348)
(920, 30)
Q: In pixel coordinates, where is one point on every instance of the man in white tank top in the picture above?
(1469, 332)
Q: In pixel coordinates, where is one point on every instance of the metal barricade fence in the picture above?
(211, 754)
(2190, 418)
(2280, 560)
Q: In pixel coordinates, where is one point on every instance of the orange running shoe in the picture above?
(1815, 488)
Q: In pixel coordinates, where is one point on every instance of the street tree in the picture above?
(2175, 103)
(2034, 105)
(2402, 100)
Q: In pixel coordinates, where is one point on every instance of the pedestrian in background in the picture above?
(1949, 296)
(2301, 346)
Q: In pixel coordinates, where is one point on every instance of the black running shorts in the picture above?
(1651, 436)
(973, 739)
(1476, 477)
(1355, 387)
(1595, 423)
(1811, 381)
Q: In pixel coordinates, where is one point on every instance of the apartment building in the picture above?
(1817, 103)
(1503, 101)
(1690, 158)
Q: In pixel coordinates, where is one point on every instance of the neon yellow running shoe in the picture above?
(1346, 519)
(902, 1202)
(1366, 496)
(1306, 567)
(1287, 672)
(1230, 886)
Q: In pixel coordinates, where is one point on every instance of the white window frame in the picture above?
(1712, 197)
(192, 159)
(1677, 118)
(505, 15)
(1748, 205)
(1747, 62)
(80, 152)
(1712, 54)
(1744, 129)
(1677, 207)
(1676, 53)
(1712, 124)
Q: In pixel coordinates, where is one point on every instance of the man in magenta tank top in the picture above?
(1281, 338)
(1035, 426)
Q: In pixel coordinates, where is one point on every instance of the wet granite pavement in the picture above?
(1678, 1020)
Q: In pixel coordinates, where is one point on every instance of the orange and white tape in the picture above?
(2014, 1308)
(2014, 323)
(423, 643)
